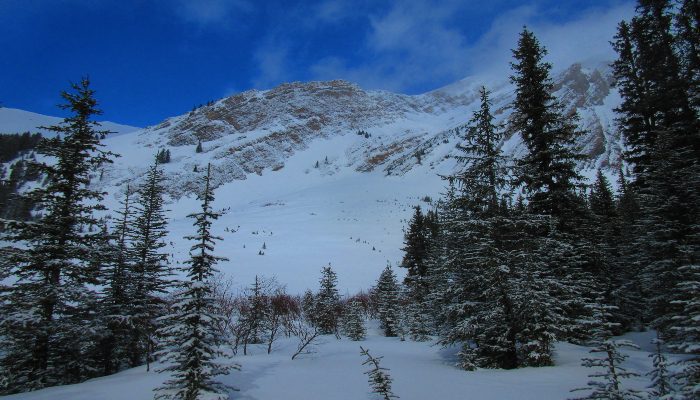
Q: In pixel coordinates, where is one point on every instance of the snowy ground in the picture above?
(305, 217)
(420, 371)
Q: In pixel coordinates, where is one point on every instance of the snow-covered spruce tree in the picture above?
(327, 302)
(660, 376)
(661, 129)
(150, 271)
(685, 331)
(353, 321)
(607, 384)
(379, 378)
(115, 301)
(190, 338)
(308, 307)
(418, 321)
(480, 292)
(52, 301)
(606, 264)
(254, 314)
(387, 291)
(440, 271)
(548, 170)
(415, 246)
(632, 301)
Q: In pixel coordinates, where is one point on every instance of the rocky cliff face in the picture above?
(258, 131)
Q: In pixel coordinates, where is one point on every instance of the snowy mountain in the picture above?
(256, 132)
(13, 120)
(326, 172)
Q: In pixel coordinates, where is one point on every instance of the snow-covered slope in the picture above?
(13, 120)
(326, 172)
(419, 370)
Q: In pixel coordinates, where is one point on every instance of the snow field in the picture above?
(419, 370)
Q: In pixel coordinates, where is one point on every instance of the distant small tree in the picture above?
(163, 156)
(327, 307)
(353, 321)
(254, 313)
(388, 302)
(199, 147)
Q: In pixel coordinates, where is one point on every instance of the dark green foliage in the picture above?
(648, 76)
(657, 76)
(53, 301)
(199, 147)
(163, 156)
(421, 229)
(150, 270)
(684, 333)
(190, 338)
(14, 205)
(115, 302)
(494, 290)
(548, 170)
(12, 145)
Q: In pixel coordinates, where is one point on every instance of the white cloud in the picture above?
(583, 39)
(272, 59)
(417, 43)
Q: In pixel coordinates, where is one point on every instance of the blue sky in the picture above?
(151, 59)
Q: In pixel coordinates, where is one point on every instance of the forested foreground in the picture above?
(517, 256)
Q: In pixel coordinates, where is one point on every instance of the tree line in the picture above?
(519, 253)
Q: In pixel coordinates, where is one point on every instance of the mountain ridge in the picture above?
(257, 131)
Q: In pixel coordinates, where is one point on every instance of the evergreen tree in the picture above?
(660, 125)
(418, 321)
(660, 377)
(191, 339)
(648, 77)
(607, 263)
(387, 291)
(254, 314)
(353, 321)
(688, 43)
(52, 302)
(415, 246)
(115, 302)
(150, 274)
(631, 304)
(308, 308)
(327, 302)
(685, 331)
(379, 379)
(199, 147)
(607, 384)
(548, 170)
(490, 264)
